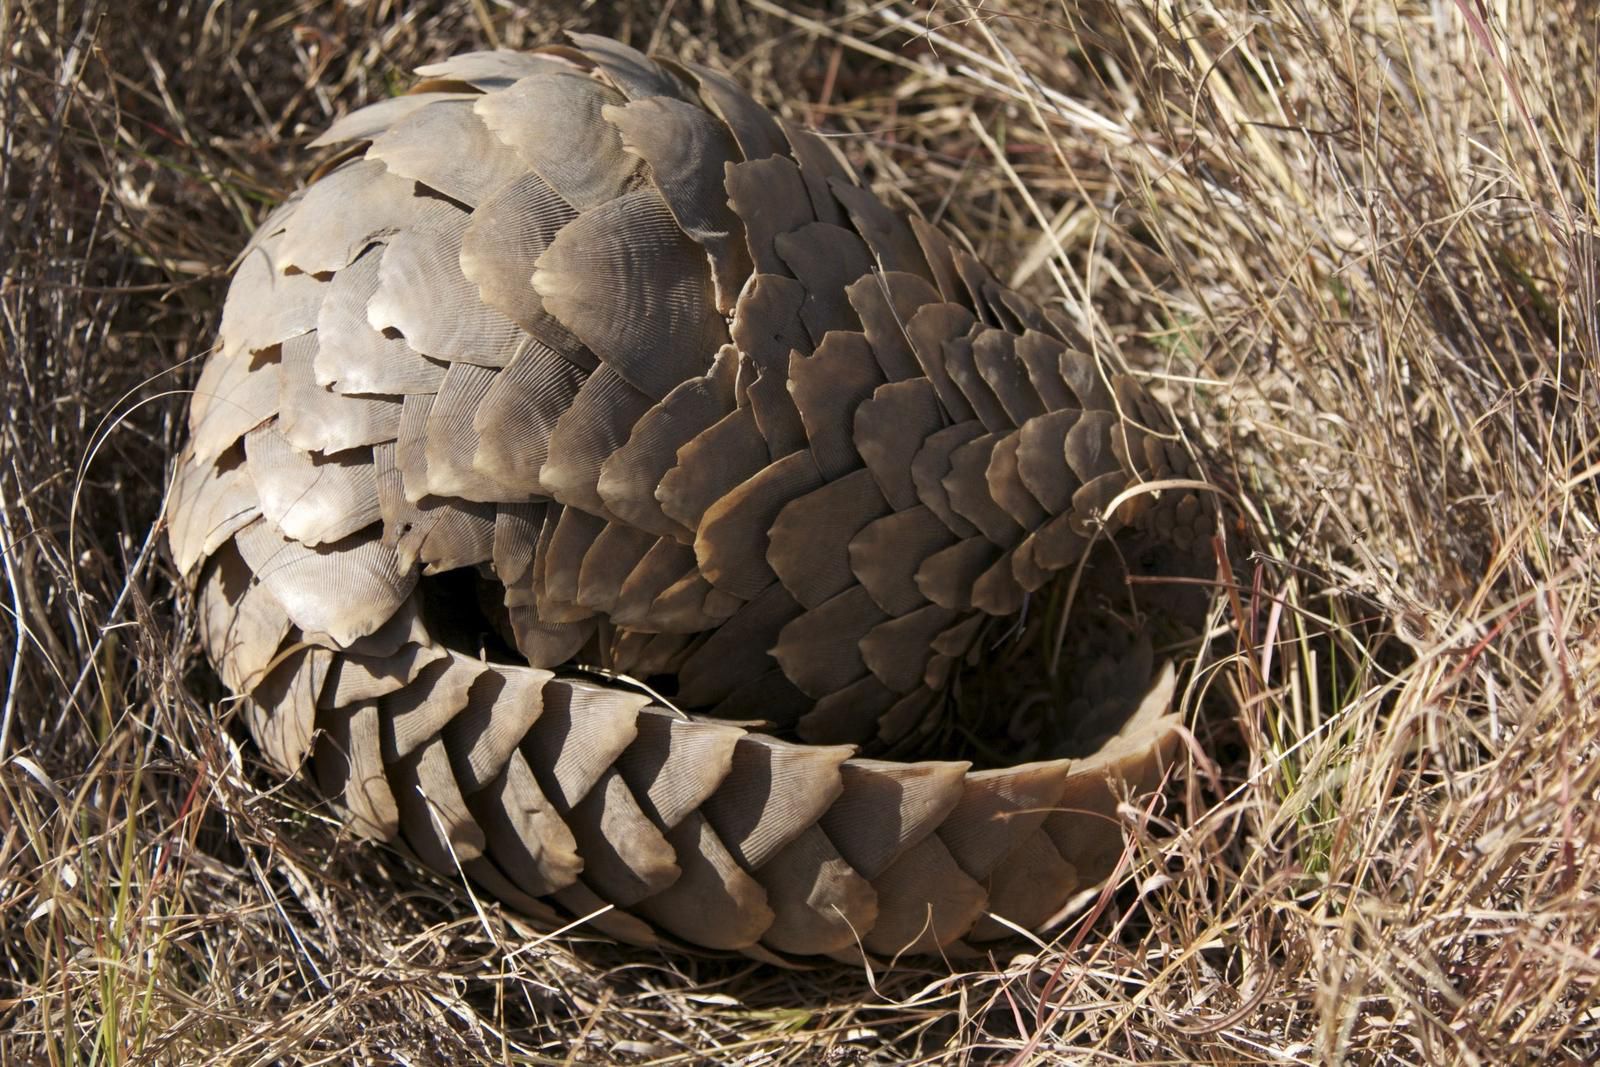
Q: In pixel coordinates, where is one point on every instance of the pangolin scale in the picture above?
(576, 366)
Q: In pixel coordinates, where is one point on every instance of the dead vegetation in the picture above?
(1354, 245)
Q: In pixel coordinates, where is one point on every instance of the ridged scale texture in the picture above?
(580, 357)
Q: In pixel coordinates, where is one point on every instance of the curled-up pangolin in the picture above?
(578, 359)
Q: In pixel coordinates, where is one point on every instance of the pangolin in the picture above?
(573, 370)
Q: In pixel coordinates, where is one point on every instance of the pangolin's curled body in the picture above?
(575, 362)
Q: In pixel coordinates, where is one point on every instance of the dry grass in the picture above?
(1353, 243)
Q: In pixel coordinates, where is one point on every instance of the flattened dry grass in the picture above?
(1353, 245)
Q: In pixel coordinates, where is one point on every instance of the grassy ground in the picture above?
(1354, 244)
